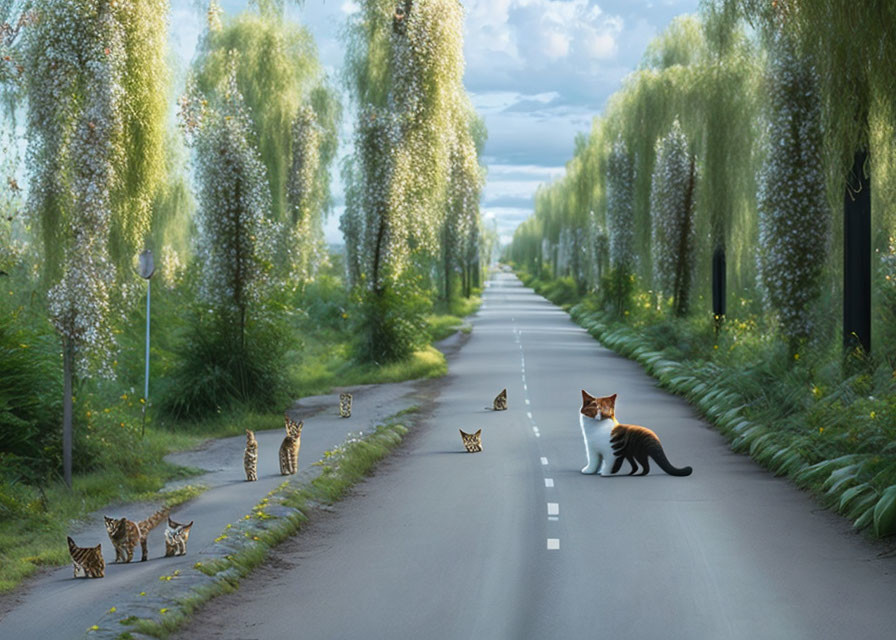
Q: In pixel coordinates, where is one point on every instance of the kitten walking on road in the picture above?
(606, 440)
(126, 534)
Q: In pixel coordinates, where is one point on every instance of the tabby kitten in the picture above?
(289, 450)
(606, 440)
(176, 536)
(250, 458)
(345, 405)
(472, 441)
(500, 403)
(88, 561)
(125, 534)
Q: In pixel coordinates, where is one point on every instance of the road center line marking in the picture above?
(553, 508)
(553, 543)
(529, 413)
(544, 461)
(527, 401)
(553, 518)
(549, 482)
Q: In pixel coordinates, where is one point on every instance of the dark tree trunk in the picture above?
(857, 257)
(67, 374)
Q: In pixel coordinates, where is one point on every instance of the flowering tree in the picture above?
(293, 120)
(95, 81)
(234, 245)
(672, 217)
(794, 219)
(404, 69)
(620, 223)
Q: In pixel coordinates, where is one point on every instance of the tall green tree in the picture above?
(404, 71)
(794, 219)
(95, 83)
(294, 116)
(672, 215)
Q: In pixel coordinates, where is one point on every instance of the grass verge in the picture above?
(35, 517)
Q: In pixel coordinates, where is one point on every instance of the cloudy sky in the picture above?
(537, 71)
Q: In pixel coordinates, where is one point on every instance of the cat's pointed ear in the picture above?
(99, 548)
(613, 398)
(171, 523)
(586, 397)
(478, 433)
(187, 526)
(462, 434)
(71, 544)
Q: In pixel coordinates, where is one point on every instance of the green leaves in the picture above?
(885, 513)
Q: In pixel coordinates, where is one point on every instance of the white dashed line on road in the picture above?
(549, 482)
(553, 544)
(553, 508)
(544, 461)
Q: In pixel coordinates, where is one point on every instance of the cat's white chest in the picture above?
(598, 451)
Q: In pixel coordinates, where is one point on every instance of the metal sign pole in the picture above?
(146, 269)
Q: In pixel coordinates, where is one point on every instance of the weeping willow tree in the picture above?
(703, 74)
(95, 81)
(294, 117)
(460, 227)
(404, 69)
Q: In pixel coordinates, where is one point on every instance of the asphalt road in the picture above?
(54, 606)
(515, 542)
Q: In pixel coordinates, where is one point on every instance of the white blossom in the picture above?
(794, 219)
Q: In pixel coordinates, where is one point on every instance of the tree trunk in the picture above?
(67, 373)
(682, 269)
(857, 257)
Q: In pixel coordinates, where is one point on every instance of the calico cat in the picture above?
(176, 536)
(500, 403)
(289, 450)
(345, 405)
(250, 458)
(88, 561)
(125, 534)
(472, 441)
(606, 440)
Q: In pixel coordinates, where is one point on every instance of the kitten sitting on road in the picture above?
(472, 441)
(606, 440)
(500, 403)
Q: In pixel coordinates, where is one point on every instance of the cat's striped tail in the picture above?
(155, 520)
(659, 456)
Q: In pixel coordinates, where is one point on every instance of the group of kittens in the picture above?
(125, 535)
(289, 448)
(473, 441)
(607, 442)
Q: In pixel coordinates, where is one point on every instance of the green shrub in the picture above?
(218, 369)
